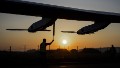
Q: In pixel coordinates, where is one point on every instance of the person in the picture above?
(43, 50)
(112, 51)
(44, 44)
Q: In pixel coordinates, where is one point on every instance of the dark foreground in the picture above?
(60, 59)
(65, 65)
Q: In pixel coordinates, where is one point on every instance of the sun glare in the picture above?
(64, 41)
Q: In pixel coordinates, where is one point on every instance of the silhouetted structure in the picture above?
(38, 47)
(111, 51)
(77, 48)
(10, 48)
(74, 51)
(90, 51)
(32, 50)
(24, 48)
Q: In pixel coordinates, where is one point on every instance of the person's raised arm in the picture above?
(49, 43)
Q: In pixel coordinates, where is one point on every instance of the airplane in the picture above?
(50, 13)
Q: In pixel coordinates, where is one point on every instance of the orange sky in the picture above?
(16, 39)
(102, 38)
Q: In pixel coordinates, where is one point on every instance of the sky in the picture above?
(18, 39)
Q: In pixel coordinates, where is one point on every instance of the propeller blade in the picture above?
(53, 29)
(17, 29)
(68, 31)
(24, 30)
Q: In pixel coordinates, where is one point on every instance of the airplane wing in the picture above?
(46, 10)
(53, 12)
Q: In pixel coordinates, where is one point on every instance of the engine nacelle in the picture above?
(41, 24)
(98, 25)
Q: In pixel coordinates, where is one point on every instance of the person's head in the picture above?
(44, 40)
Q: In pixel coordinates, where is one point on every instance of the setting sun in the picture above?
(64, 41)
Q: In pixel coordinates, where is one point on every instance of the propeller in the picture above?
(68, 31)
(24, 30)
(17, 29)
(53, 30)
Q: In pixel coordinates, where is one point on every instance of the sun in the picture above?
(64, 41)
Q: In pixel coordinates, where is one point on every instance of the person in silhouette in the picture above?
(112, 51)
(43, 49)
